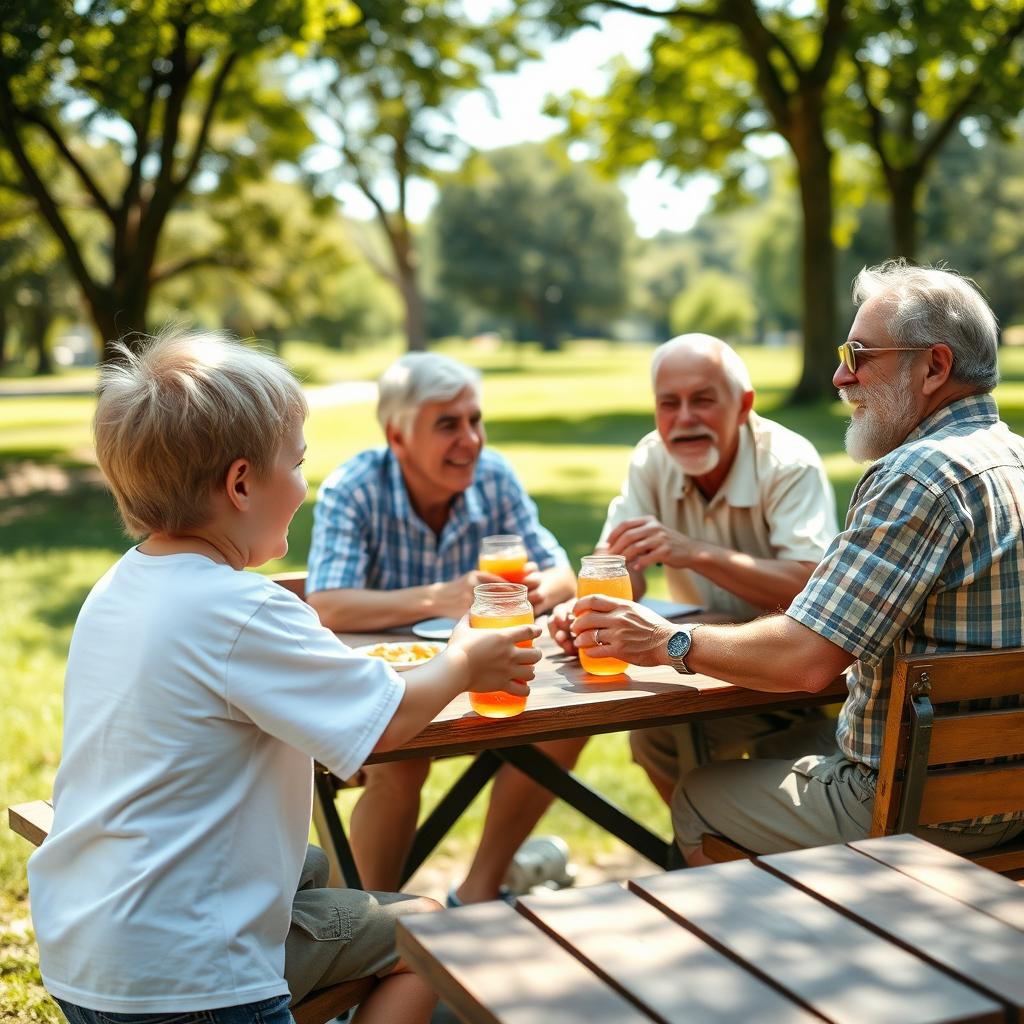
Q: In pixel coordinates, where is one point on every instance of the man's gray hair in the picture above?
(928, 305)
(417, 378)
(735, 370)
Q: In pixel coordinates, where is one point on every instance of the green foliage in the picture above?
(169, 96)
(384, 96)
(715, 303)
(525, 233)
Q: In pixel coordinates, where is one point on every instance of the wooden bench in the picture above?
(888, 929)
(34, 820)
(935, 748)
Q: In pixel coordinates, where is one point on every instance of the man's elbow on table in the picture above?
(334, 607)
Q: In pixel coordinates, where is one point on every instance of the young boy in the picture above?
(195, 696)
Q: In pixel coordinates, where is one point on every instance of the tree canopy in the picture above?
(528, 234)
(175, 90)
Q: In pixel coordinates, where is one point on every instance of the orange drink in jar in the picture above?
(603, 574)
(496, 605)
(504, 554)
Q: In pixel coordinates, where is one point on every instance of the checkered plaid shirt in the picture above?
(931, 559)
(366, 533)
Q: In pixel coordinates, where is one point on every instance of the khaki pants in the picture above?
(772, 806)
(339, 934)
(670, 751)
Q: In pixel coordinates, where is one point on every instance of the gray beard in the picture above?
(885, 421)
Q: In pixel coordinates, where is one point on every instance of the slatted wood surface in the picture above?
(884, 930)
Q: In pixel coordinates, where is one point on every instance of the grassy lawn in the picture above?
(566, 420)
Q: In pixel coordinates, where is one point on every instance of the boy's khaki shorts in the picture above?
(337, 935)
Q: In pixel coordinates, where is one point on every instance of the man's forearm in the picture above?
(775, 654)
(768, 583)
(362, 611)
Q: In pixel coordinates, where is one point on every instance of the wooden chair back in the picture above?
(34, 820)
(953, 746)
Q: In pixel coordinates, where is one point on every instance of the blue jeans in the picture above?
(269, 1011)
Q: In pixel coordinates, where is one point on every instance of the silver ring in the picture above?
(597, 637)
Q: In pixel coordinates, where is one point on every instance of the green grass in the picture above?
(566, 420)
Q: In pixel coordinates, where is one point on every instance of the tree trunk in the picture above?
(415, 313)
(904, 187)
(5, 325)
(119, 319)
(39, 319)
(819, 320)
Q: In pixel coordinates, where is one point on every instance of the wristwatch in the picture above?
(678, 647)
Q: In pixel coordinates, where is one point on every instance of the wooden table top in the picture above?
(883, 930)
(566, 701)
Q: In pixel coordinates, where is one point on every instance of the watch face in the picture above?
(678, 644)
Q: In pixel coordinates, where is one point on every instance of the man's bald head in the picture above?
(697, 349)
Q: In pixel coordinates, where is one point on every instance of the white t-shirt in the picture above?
(776, 502)
(194, 697)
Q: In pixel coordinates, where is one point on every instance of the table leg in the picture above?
(545, 772)
(448, 811)
(338, 850)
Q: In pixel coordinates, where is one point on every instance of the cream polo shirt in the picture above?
(776, 502)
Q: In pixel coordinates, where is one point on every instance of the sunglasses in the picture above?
(850, 350)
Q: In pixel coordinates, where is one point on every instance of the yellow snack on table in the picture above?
(406, 654)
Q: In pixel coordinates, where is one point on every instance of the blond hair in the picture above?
(173, 415)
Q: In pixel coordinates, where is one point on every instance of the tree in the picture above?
(525, 233)
(922, 67)
(390, 115)
(173, 87)
(719, 73)
(715, 303)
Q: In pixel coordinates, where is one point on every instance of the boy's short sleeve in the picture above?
(297, 681)
(875, 577)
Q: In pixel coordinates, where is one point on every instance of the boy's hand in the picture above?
(560, 625)
(493, 659)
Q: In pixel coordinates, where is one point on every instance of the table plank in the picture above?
(955, 876)
(967, 942)
(493, 966)
(832, 964)
(669, 970)
(565, 701)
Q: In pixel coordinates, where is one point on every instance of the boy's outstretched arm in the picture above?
(475, 659)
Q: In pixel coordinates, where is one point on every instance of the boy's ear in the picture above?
(237, 484)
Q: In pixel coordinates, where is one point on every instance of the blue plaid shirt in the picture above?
(366, 533)
(931, 559)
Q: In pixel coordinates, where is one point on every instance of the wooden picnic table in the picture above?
(882, 930)
(564, 701)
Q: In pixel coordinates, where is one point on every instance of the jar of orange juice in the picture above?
(496, 605)
(504, 554)
(603, 574)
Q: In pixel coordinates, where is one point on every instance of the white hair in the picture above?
(417, 378)
(735, 370)
(928, 305)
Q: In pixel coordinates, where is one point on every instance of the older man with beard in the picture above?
(739, 511)
(931, 559)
